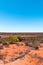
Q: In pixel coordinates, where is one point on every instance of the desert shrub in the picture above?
(35, 45)
(21, 38)
(40, 38)
(31, 39)
(35, 42)
(12, 39)
(2, 41)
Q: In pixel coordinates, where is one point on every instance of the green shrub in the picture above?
(12, 39)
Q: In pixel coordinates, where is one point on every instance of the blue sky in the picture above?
(21, 15)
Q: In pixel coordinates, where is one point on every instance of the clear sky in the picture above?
(21, 15)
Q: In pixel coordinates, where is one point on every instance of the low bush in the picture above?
(20, 38)
(35, 42)
(35, 45)
(11, 39)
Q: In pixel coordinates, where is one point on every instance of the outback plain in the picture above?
(23, 49)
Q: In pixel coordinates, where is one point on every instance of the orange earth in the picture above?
(21, 55)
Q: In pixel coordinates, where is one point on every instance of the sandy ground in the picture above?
(21, 55)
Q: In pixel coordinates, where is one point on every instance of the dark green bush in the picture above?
(20, 38)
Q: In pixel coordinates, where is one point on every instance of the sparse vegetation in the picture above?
(40, 38)
(34, 42)
(11, 39)
(20, 38)
(35, 45)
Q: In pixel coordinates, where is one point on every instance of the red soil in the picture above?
(21, 55)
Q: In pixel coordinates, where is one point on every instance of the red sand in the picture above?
(32, 57)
